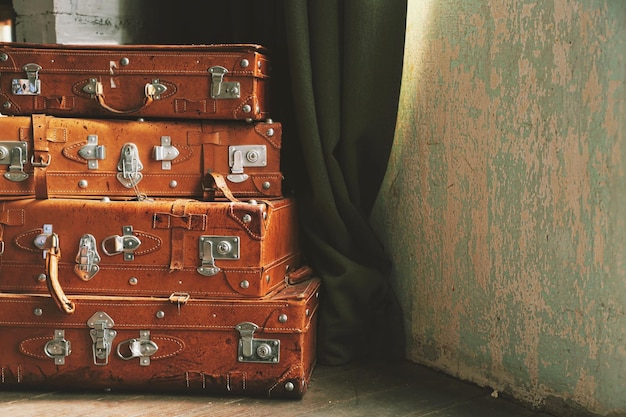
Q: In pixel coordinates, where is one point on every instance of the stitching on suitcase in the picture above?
(28, 352)
(66, 152)
(180, 344)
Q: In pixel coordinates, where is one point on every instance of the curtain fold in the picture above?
(345, 63)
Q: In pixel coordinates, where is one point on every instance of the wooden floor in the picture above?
(376, 390)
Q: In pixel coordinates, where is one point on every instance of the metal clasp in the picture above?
(165, 153)
(14, 154)
(141, 348)
(221, 89)
(43, 240)
(256, 350)
(92, 152)
(30, 86)
(129, 166)
(216, 247)
(58, 348)
(102, 337)
(243, 156)
(87, 258)
(127, 244)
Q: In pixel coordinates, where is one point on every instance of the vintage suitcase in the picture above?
(263, 346)
(161, 248)
(47, 156)
(172, 81)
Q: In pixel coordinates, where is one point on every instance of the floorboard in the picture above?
(391, 390)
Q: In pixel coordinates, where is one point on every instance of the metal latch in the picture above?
(129, 166)
(216, 247)
(127, 244)
(102, 336)
(256, 350)
(87, 258)
(141, 348)
(155, 89)
(221, 89)
(58, 348)
(41, 241)
(92, 152)
(165, 153)
(245, 156)
(15, 155)
(30, 86)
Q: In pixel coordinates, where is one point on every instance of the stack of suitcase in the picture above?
(145, 242)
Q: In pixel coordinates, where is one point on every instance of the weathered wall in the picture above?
(504, 203)
(82, 21)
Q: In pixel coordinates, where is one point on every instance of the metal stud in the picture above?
(270, 132)
(266, 185)
(42, 278)
(133, 281)
(83, 184)
(6, 104)
(38, 311)
(160, 314)
(289, 386)
(246, 218)
(244, 63)
(4, 57)
(124, 61)
(247, 108)
(244, 284)
(282, 318)
(173, 184)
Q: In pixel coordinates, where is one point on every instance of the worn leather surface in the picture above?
(197, 343)
(66, 72)
(60, 165)
(168, 255)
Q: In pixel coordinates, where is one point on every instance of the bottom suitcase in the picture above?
(256, 347)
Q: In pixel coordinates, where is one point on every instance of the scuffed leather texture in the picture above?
(166, 260)
(201, 147)
(197, 343)
(67, 71)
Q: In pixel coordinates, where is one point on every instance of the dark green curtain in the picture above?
(335, 87)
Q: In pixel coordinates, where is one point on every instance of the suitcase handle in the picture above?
(150, 92)
(53, 253)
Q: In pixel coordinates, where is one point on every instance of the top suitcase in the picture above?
(227, 82)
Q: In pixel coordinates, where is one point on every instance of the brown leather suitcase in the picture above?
(161, 248)
(172, 81)
(47, 156)
(263, 346)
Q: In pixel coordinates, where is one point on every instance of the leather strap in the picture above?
(52, 270)
(177, 244)
(41, 157)
(219, 184)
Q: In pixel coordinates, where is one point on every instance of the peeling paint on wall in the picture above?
(503, 204)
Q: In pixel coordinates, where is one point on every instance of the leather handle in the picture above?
(150, 91)
(52, 270)
(220, 183)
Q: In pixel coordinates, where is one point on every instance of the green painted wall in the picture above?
(504, 204)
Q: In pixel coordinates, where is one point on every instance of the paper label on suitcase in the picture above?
(226, 82)
(123, 159)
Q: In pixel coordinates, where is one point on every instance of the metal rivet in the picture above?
(42, 278)
(4, 152)
(270, 132)
(173, 184)
(6, 104)
(289, 386)
(38, 312)
(4, 57)
(246, 218)
(252, 156)
(244, 284)
(282, 318)
(133, 281)
(83, 183)
(266, 185)
(247, 108)
(160, 314)
(244, 63)
(124, 61)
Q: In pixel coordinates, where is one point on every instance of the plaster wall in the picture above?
(504, 202)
